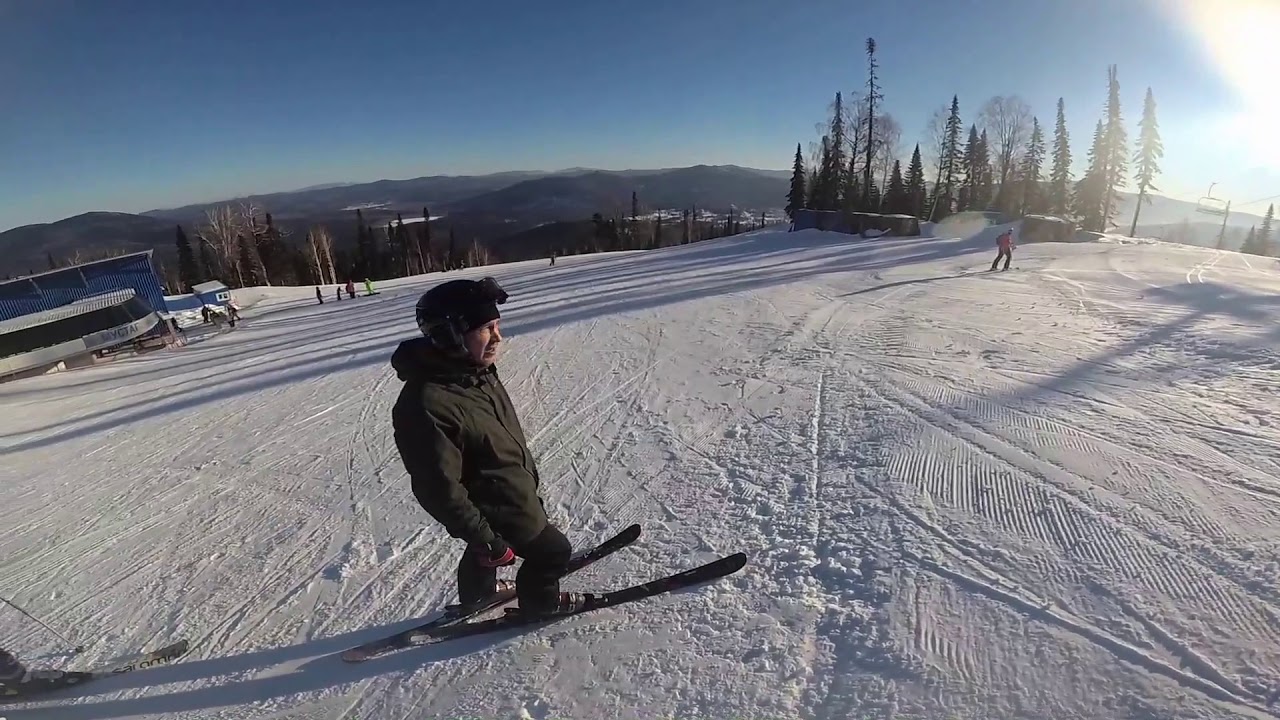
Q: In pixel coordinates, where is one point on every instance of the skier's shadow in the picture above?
(252, 677)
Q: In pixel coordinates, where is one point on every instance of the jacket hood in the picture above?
(417, 358)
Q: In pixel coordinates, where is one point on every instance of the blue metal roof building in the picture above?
(56, 288)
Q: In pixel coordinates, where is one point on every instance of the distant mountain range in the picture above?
(498, 209)
(488, 207)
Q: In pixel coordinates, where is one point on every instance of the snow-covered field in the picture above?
(1047, 493)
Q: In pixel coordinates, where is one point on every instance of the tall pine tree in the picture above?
(796, 198)
(896, 199)
(1033, 200)
(1059, 199)
(188, 273)
(835, 169)
(1251, 245)
(1147, 157)
(952, 163)
(1090, 191)
(1265, 244)
(1115, 144)
(873, 94)
(915, 184)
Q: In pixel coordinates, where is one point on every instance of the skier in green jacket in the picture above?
(468, 461)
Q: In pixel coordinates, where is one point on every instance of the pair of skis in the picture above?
(37, 682)
(456, 620)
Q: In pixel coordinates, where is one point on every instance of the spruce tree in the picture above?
(1033, 201)
(1090, 191)
(985, 188)
(188, 274)
(1059, 199)
(896, 199)
(915, 184)
(851, 193)
(836, 147)
(1147, 157)
(972, 172)
(1115, 144)
(953, 157)
(873, 94)
(796, 198)
(1264, 233)
(1250, 244)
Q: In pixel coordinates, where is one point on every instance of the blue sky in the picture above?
(130, 105)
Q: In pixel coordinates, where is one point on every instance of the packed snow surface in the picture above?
(1052, 492)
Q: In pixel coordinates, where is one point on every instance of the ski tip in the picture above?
(631, 531)
(736, 561)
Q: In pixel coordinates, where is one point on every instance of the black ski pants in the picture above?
(1007, 255)
(546, 558)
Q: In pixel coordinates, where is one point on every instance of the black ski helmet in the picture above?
(451, 309)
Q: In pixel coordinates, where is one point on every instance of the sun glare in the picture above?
(1237, 36)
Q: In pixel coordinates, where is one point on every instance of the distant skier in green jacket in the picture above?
(468, 461)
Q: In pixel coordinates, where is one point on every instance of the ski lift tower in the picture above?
(1210, 205)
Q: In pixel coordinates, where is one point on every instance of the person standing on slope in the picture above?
(1005, 243)
(464, 449)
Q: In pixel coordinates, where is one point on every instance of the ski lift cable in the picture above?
(1260, 200)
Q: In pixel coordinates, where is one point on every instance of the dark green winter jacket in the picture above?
(459, 438)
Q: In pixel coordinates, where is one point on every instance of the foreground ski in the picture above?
(37, 682)
(454, 614)
(513, 619)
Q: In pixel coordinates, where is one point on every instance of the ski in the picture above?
(454, 614)
(513, 619)
(37, 682)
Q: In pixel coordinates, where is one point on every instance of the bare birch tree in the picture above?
(221, 232)
(1007, 121)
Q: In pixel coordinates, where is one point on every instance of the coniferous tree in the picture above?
(1265, 246)
(985, 188)
(896, 199)
(915, 184)
(635, 211)
(1033, 200)
(851, 194)
(826, 190)
(838, 135)
(1059, 196)
(188, 274)
(1251, 245)
(53, 264)
(873, 94)
(1116, 147)
(1089, 198)
(1147, 156)
(796, 198)
(972, 171)
(954, 159)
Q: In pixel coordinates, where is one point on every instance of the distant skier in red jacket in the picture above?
(1005, 243)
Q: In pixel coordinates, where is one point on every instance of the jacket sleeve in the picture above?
(434, 462)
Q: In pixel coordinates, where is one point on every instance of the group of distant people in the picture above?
(350, 288)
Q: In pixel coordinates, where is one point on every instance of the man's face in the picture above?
(482, 343)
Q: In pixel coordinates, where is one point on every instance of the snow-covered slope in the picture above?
(1047, 493)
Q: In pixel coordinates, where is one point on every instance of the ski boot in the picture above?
(568, 604)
